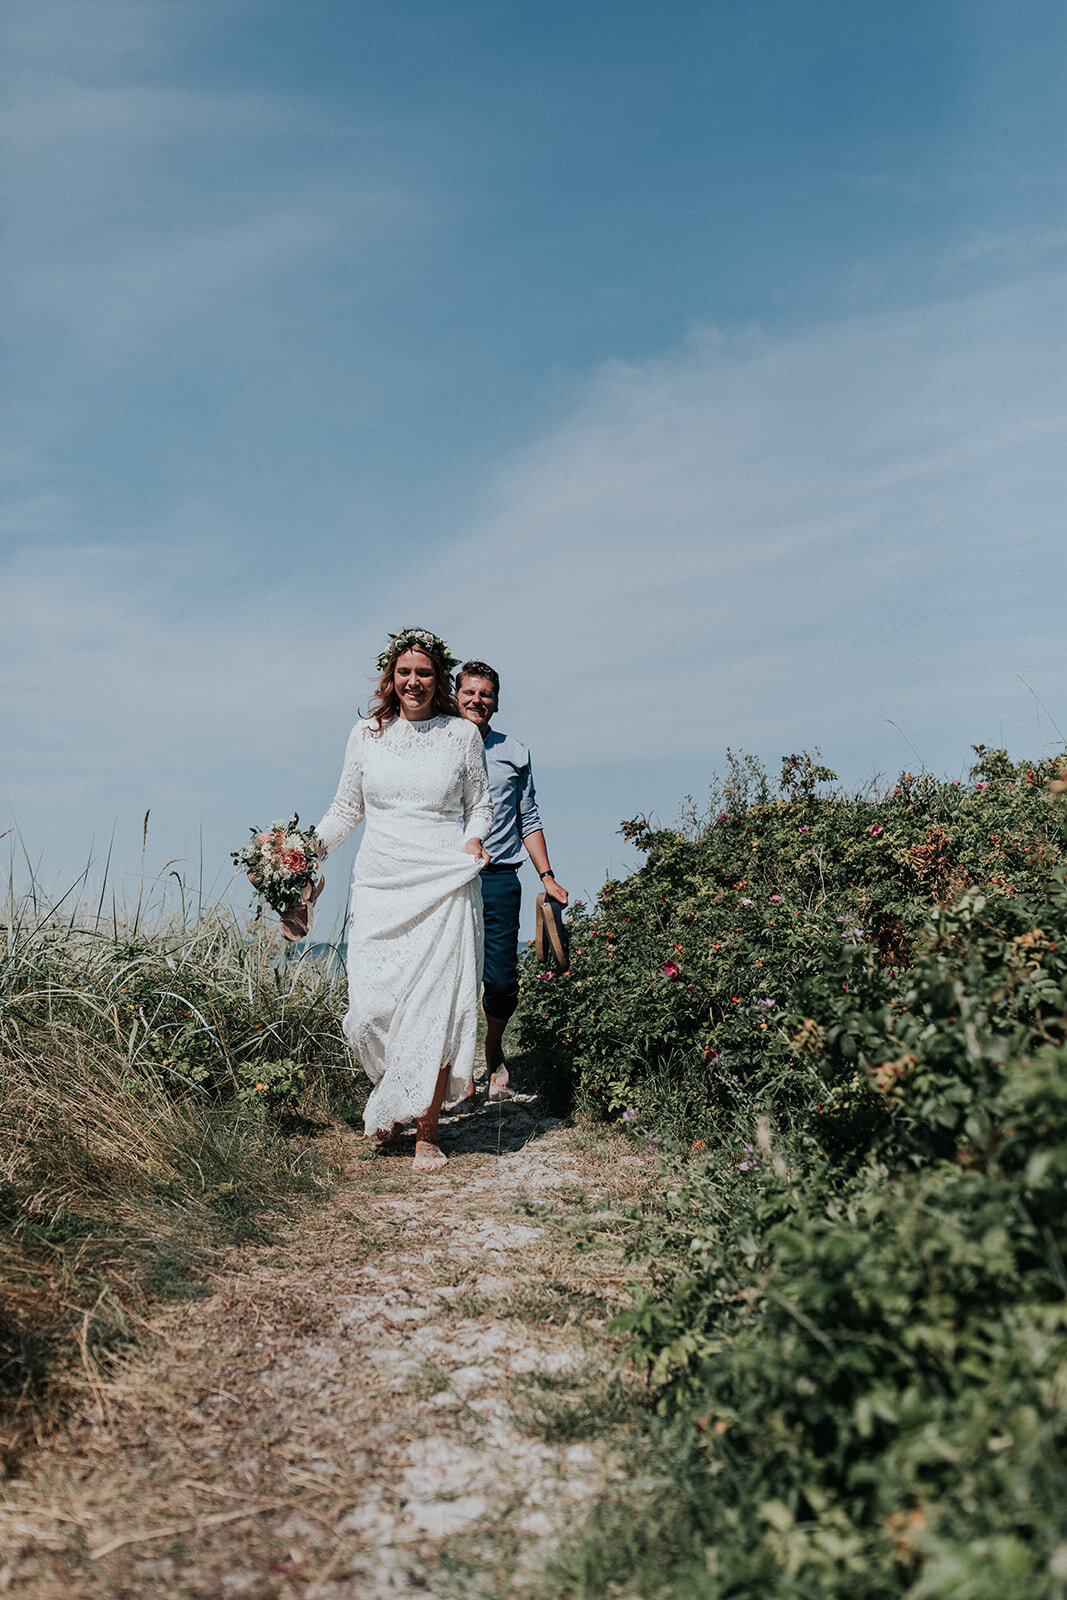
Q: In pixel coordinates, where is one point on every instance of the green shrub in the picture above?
(766, 907)
(855, 1329)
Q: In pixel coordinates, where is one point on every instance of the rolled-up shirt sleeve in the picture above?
(346, 812)
(529, 818)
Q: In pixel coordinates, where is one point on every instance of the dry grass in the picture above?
(119, 1181)
(375, 1406)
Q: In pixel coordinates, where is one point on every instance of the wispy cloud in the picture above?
(759, 542)
(755, 540)
(763, 540)
(56, 36)
(143, 204)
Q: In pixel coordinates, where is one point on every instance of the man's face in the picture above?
(476, 699)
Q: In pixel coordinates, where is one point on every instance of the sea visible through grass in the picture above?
(838, 1023)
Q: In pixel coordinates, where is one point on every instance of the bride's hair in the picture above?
(386, 703)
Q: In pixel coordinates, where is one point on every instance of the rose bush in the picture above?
(688, 976)
(855, 1330)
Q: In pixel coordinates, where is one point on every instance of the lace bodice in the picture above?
(412, 778)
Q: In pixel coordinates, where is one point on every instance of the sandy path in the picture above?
(385, 1402)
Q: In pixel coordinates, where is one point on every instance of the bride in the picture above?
(416, 770)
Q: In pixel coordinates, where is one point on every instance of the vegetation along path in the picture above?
(385, 1401)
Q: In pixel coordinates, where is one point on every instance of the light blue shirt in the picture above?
(511, 788)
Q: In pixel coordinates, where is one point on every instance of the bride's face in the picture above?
(414, 679)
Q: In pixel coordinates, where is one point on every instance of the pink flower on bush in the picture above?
(746, 902)
(776, 899)
(876, 830)
(671, 969)
(630, 1115)
(981, 784)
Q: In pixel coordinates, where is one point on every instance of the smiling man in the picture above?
(516, 833)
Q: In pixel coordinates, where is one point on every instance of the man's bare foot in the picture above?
(428, 1158)
(386, 1136)
(498, 1082)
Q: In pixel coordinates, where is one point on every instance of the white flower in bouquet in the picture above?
(281, 862)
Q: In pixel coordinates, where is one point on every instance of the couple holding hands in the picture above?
(450, 815)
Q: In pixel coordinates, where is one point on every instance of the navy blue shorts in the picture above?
(501, 901)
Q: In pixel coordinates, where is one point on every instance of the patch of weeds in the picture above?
(474, 1566)
(26, 1354)
(569, 1195)
(474, 1306)
(348, 1108)
(637, 1543)
(555, 1304)
(428, 1381)
(169, 1277)
(292, 1124)
(562, 1408)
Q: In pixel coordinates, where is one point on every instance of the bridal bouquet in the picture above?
(281, 863)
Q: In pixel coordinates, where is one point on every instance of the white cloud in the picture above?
(755, 540)
(789, 539)
(136, 651)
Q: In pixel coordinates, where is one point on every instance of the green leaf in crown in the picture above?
(417, 639)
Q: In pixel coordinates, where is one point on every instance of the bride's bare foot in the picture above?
(428, 1157)
(386, 1136)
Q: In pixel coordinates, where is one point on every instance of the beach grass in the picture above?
(164, 1075)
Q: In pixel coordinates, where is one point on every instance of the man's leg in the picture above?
(501, 903)
(494, 1051)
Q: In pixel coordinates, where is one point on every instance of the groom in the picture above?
(516, 828)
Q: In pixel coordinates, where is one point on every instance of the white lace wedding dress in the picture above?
(415, 916)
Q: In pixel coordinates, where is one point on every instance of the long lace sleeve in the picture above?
(477, 805)
(347, 809)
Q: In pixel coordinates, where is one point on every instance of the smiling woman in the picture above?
(412, 683)
(416, 771)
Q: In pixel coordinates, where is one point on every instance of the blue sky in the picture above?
(701, 364)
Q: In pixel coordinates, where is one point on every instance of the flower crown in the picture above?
(417, 639)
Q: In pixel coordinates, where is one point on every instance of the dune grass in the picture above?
(155, 1069)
